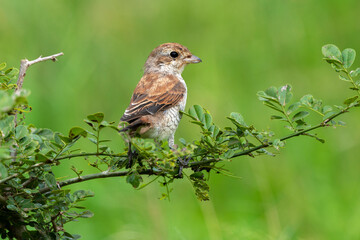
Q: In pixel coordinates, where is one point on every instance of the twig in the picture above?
(25, 64)
(95, 176)
(55, 160)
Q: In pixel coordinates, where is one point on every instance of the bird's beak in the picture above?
(192, 59)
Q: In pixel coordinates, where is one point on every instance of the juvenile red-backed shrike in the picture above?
(161, 93)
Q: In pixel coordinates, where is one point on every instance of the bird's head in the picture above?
(170, 58)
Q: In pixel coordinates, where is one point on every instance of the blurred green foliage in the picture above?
(310, 192)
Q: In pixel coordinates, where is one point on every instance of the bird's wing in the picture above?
(154, 93)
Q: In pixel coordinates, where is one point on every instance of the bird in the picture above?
(160, 95)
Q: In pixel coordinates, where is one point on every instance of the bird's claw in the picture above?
(183, 162)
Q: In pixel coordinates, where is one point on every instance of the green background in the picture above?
(309, 191)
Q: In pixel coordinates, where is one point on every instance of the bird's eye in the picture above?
(174, 54)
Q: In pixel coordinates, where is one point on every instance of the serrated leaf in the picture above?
(348, 57)
(331, 51)
(300, 115)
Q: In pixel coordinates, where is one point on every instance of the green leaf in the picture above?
(2, 65)
(105, 124)
(6, 102)
(348, 56)
(355, 72)
(237, 119)
(97, 117)
(300, 115)
(207, 120)
(40, 157)
(307, 100)
(134, 179)
(50, 180)
(77, 131)
(7, 126)
(272, 92)
(293, 107)
(20, 132)
(277, 117)
(12, 207)
(86, 214)
(350, 100)
(3, 171)
(326, 109)
(277, 144)
(268, 95)
(344, 78)
(45, 133)
(331, 51)
(272, 106)
(327, 115)
(199, 112)
(285, 94)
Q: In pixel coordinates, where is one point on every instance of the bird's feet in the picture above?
(182, 162)
(132, 157)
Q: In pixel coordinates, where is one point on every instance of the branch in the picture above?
(148, 172)
(25, 64)
(55, 160)
(265, 145)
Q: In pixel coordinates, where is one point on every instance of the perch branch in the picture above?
(97, 175)
(194, 164)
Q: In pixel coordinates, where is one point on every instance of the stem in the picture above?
(24, 65)
(351, 79)
(95, 176)
(309, 108)
(57, 159)
(287, 117)
(265, 145)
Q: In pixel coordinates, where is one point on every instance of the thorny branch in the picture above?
(24, 65)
